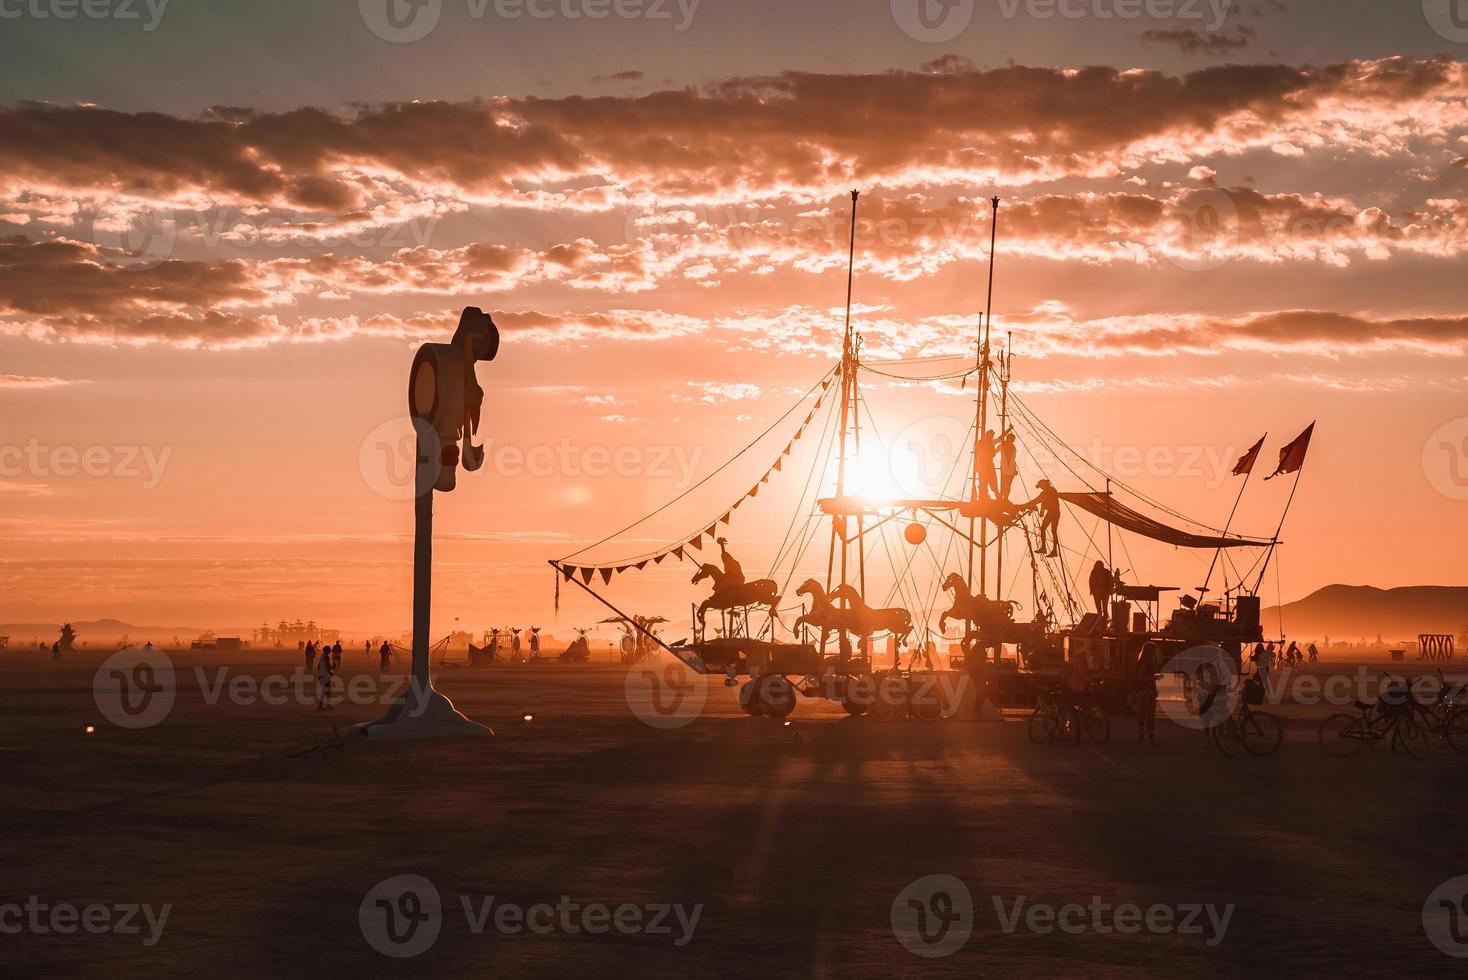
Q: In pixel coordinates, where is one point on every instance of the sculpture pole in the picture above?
(444, 400)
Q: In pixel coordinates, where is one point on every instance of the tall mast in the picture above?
(848, 379)
(982, 421)
(1004, 357)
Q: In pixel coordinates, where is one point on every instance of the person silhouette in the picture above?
(323, 680)
(1144, 687)
(1008, 463)
(733, 571)
(984, 449)
(1047, 505)
(1100, 583)
(385, 653)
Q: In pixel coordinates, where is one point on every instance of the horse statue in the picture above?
(862, 620)
(988, 615)
(761, 592)
(823, 613)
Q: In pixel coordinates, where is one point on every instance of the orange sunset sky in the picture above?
(222, 237)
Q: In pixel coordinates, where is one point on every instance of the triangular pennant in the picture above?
(679, 553)
(606, 576)
(754, 491)
(725, 518)
(640, 565)
(659, 559)
(789, 446)
(736, 504)
(586, 574)
(622, 568)
(827, 383)
(778, 463)
(765, 478)
(713, 530)
(697, 542)
(568, 571)
(807, 420)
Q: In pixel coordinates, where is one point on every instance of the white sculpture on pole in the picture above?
(444, 401)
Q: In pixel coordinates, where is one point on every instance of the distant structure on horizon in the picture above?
(292, 634)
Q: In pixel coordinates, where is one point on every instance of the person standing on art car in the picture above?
(1047, 505)
(1101, 583)
(984, 449)
(1008, 463)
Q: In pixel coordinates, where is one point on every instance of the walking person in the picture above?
(323, 681)
(310, 649)
(385, 653)
(1144, 691)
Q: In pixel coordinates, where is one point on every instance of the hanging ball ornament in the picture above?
(915, 533)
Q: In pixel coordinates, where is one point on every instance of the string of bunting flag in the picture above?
(694, 541)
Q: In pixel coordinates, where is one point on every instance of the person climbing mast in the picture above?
(1047, 505)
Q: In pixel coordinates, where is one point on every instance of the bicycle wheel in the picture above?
(1411, 737)
(1225, 736)
(1097, 726)
(1261, 733)
(1043, 724)
(1455, 730)
(1342, 735)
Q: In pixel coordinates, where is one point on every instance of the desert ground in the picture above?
(264, 834)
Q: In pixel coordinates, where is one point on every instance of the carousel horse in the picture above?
(863, 620)
(986, 614)
(761, 592)
(823, 613)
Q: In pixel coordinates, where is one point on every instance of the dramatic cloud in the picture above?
(790, 134)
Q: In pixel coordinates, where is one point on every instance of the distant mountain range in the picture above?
(1350, 612)
(106, 631)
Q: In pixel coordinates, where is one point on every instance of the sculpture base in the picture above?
(420, 716)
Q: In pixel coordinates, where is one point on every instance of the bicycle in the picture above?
(1258, 732)
(1054, 720)
(1342, 735)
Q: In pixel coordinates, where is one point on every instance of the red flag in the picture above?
(1245, 465)
(1292, 457)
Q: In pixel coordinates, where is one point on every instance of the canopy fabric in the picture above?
(1106, 507)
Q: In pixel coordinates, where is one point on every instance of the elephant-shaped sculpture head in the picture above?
(445, 400)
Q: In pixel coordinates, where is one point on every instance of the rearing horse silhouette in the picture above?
(864, 620)
(985, 613)
(760, 592)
